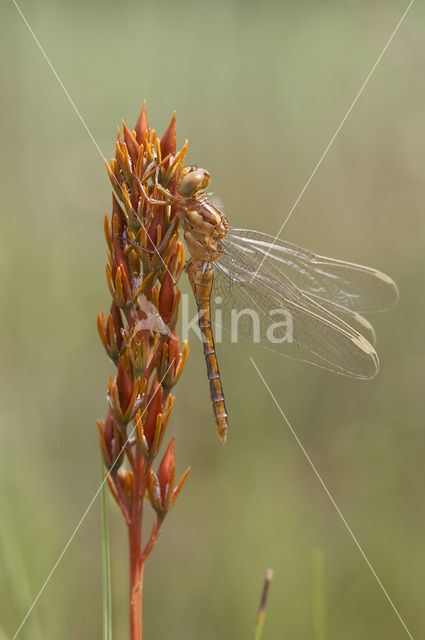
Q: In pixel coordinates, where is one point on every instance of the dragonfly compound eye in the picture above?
(192, 180)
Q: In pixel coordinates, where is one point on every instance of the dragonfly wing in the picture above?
(361, 289)
(354, 319)
(269, 309)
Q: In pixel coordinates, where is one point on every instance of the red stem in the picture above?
(136, 581)
(140, 468)
(135, 547)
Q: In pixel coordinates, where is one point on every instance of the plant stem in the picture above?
(136, 591)
(261, 616)
(135, 547)
(136, 580)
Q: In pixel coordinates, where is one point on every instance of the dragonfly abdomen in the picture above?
(201, 279)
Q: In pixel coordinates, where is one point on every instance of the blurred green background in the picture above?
(259, 89)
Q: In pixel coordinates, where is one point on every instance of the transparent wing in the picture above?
(354, 319)
(271, 310)
(348, 285)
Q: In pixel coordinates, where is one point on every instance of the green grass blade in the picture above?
(20, 592)
(106, 563)
(319, 595)
(261, 616)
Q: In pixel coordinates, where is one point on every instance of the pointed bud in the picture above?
(131, 144)
(168, 140)
(110, 442)
(102, 331)
(166, 474)
(109, 430)
(122, 287)
(166, 298)
(119, 259)
(141, 124)
(135, 194)
(117, 211)
(124, 385)
(158, 221)
(154, 492)
(117, 324)
(182, 361)
(174, 348)
(179, 487)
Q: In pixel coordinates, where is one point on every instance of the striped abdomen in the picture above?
(201, 279)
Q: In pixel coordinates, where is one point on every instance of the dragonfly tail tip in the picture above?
(222, 434)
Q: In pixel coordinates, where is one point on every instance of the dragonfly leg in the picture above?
(165, 192)
(165, 203)
(135, 244)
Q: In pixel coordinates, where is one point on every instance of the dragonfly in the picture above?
(291, 300)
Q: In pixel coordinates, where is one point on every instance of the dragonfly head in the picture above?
(191, 181)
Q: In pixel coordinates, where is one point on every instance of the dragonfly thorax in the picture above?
(204, 227)
(203, 223)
